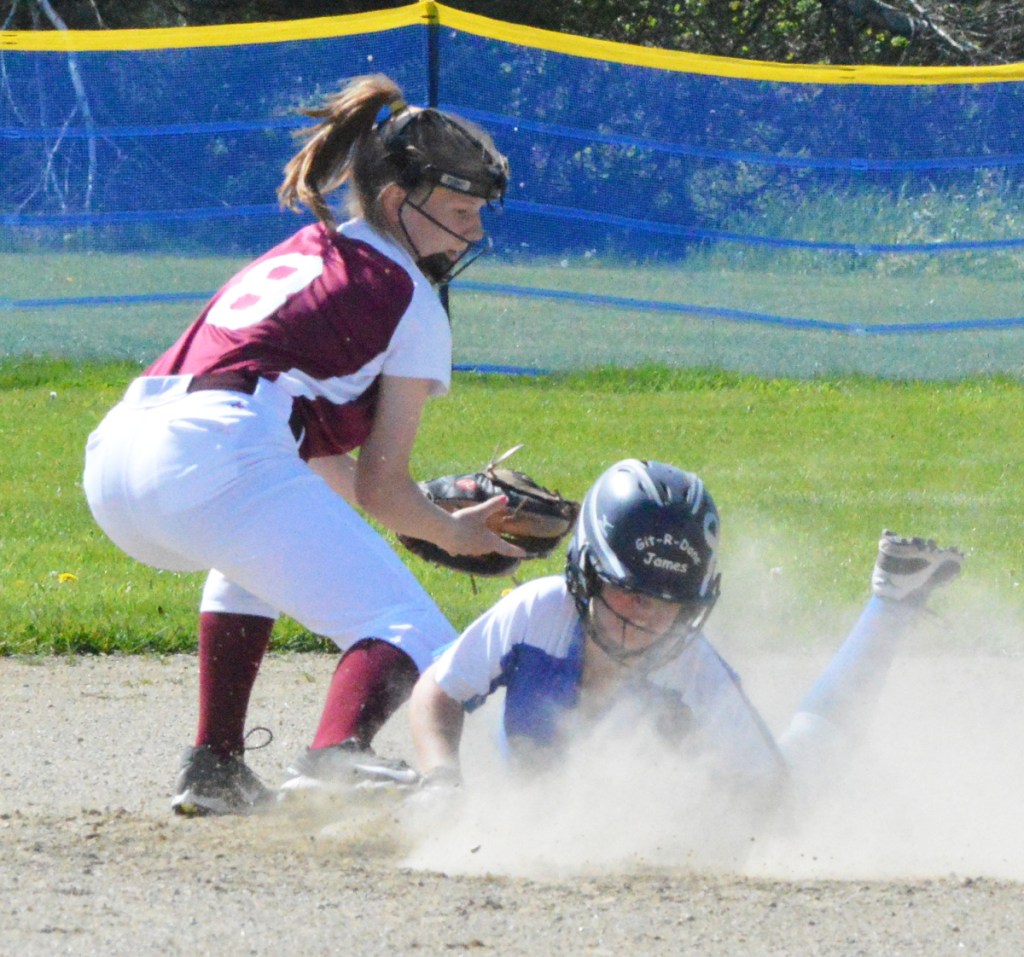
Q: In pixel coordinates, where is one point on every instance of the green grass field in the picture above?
(805, 473)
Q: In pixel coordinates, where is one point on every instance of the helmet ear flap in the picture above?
(579, 575)
(591, 578)
(396, 132)
(409, 172)
(714, 591)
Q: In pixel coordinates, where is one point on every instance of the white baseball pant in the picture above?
(212, 480)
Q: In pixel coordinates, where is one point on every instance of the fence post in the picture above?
(432, 16)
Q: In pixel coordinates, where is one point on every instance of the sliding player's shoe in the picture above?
(910, 569)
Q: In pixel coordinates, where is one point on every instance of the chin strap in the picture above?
(438, 268)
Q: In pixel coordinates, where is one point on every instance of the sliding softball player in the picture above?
(626, 622)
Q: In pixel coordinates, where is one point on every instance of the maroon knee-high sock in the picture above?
(231, 648)
(371, 682)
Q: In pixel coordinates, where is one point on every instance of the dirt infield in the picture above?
(921, 853)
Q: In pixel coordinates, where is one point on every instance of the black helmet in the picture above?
(650, 528)
(431, 147)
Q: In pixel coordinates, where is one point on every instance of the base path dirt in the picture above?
(922, 852)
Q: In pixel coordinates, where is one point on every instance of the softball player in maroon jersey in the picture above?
(231, 452)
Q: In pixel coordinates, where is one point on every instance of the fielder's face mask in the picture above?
(664, 646)
(414, 141)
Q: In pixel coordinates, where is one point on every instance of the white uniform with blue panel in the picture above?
(531, 643)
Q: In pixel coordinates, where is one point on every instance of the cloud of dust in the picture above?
(933, 790)
(616, 803)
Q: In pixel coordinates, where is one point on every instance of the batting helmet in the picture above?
(649, 528)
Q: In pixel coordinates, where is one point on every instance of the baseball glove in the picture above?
(536, 518)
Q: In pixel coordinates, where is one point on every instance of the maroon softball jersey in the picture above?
(324, 314)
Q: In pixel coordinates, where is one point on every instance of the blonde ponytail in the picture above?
(326, 159)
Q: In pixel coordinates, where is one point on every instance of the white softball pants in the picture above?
(212, 480)
(834, 713)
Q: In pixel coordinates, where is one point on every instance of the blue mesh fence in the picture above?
(663, 208)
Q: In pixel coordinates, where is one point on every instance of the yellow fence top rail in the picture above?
(231, 34)
(435, 13)
(723, 66)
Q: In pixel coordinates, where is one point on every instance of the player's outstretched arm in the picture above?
(437, 722)
(385, 489)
